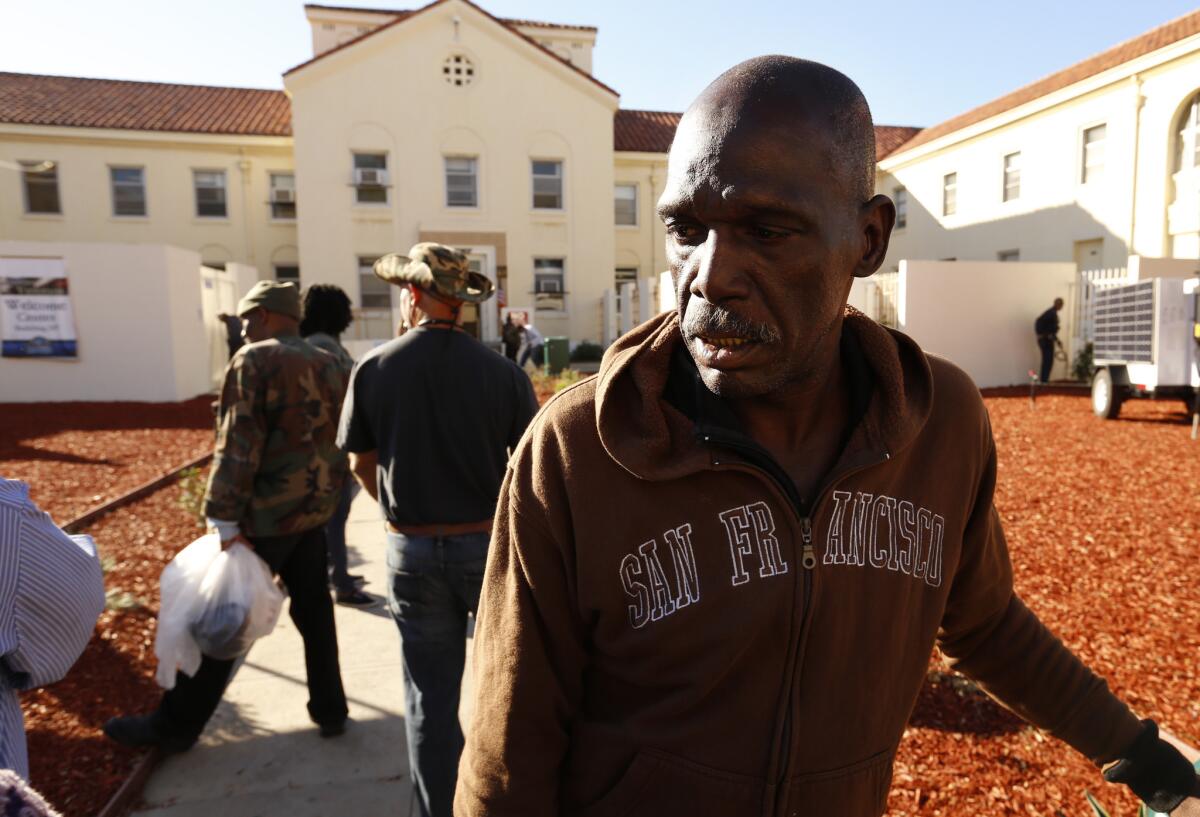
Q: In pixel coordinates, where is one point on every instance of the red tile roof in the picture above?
(409, 15)
(1161, 37)
(406, 12)
(33, 99)
(648, 131)
(888, 138)
(652, 132)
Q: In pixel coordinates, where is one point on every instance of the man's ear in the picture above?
(876, 218)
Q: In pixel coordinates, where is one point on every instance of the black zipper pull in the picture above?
(809, 557)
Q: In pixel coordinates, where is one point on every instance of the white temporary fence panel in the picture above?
(139, 320)
(645, 299)
(980, 314)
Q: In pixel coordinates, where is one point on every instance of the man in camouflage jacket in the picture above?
(276, 478)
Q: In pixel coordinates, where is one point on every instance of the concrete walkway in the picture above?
(261, 756)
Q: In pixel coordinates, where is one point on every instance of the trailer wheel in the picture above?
(1106, 395)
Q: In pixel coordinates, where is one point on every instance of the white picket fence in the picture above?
(1083, 296)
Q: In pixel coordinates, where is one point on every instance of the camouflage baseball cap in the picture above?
(438, 268)
(273, 297)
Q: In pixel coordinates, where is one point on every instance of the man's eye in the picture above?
(766, 233)
(684, 232)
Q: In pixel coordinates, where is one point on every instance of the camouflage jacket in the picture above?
(277, 469)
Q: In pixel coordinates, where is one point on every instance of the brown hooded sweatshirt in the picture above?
(666, 628)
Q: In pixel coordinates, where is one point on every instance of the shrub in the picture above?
(192, 484)
(587, 352)
(1083, 369)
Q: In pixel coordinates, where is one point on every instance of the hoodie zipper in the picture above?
(808, 560)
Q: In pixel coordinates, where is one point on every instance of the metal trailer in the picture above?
(1146, 343)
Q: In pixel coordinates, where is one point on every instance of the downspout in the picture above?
(247, 233)
(1138, 101)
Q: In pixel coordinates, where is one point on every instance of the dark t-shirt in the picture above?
(441, 409)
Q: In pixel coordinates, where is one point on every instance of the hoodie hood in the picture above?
(653, 440)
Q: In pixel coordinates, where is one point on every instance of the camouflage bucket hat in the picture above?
(438, 268)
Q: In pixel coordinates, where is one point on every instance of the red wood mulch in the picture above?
(1102, 522)
(76, 456)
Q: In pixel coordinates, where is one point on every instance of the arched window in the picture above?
(1187, 136)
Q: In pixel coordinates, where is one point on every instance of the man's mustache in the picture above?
(706, 320)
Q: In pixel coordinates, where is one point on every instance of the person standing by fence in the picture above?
(1046, 329)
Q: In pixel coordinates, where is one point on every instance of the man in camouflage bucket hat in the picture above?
(276, 478)
(429, 419)
(441, 271)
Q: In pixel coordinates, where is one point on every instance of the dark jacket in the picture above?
(277, 469)
(1047, 323)
(664, 630)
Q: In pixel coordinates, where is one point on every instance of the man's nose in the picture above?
(719, 274)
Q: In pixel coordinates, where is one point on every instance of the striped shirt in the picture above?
(51, 592)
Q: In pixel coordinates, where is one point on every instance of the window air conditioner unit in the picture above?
(370, 177)
(283, 196)
(550, 287)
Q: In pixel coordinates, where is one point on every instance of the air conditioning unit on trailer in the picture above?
(1146, 343)
(283, 196)
(370, 177)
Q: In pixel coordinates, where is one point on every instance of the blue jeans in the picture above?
(531, 352)
(434, 583)
(335, 537)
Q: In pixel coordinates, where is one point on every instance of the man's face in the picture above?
(254, 325)
(763, 239)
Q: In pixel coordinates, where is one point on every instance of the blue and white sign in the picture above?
(35, 308)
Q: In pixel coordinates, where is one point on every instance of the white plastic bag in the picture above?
(214, 602)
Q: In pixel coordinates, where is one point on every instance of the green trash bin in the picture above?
(557, 354)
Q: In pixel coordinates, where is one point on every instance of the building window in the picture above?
(370, 178)
(283, 196)
(1093, 153)
(373, 291)
(547, 185)
(210, 193)
(128, 191)
(949, 194)
(287, 272)
(1187, 137)
(462, 182)
(549, 292)
(625, 204)
(1012, 176)
(40, 180)
(901, 198)
(1008, 255)
(458, 70)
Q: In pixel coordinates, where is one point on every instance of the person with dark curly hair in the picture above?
(327, 314)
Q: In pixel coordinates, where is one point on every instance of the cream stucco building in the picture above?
(447, 123)
(1089, 165)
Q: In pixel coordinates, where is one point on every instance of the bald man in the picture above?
(718, 569)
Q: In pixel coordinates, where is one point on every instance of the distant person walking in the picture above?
(327, 314)
(1046, 329)
(532, 350)
(510, 334)
(276, 480)
(429, 421)
(51, 592)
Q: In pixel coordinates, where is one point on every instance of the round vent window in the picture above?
(458, 70)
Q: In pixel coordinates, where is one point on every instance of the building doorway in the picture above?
(1089, 254)
(481, 320)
